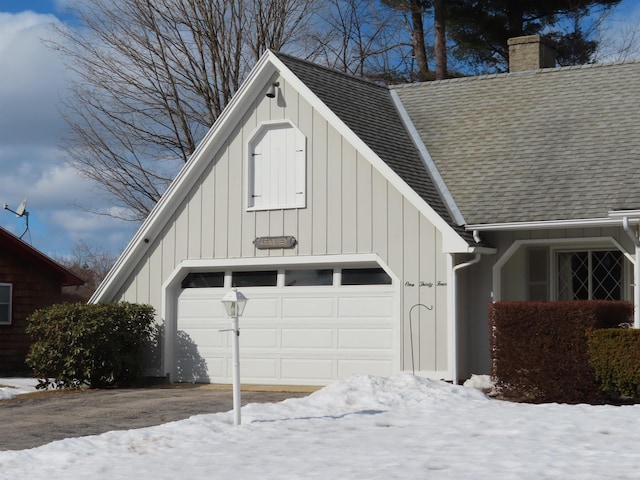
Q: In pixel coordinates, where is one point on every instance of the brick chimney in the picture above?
(530, 53)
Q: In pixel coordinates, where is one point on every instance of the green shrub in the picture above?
(614, 355)
(101, 345)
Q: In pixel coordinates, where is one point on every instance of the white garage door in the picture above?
(290, 334)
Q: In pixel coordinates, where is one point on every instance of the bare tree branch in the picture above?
(153, 76)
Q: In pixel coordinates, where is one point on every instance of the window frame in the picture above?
(298, 178)
(9, 304)
(625, 281)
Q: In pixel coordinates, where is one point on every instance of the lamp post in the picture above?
(234, 302)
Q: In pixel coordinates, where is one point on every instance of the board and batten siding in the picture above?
(350, 208)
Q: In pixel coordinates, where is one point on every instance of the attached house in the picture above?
(371, 226)
(29, 280)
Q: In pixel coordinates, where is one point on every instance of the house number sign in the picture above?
(265, 243)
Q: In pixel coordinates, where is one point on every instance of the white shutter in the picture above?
(277, 168)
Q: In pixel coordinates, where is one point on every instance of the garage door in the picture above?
(300, 327)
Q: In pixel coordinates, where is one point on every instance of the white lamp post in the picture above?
(234, 302)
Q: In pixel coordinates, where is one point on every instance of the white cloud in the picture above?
(33, 80)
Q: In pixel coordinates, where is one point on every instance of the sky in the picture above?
(361, 427)
(33, 80)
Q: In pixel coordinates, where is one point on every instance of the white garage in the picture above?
(300, 326)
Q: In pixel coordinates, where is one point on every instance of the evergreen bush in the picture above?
(614, 355)
(95, 345)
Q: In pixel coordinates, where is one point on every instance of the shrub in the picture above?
(614, 355)
(539, 349)
(98, 345)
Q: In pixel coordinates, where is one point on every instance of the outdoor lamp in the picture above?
(234, 302)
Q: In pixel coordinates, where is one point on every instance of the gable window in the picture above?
(590, 275)
(276, 173)
(5, 303)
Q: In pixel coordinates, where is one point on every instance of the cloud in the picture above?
(33, 81)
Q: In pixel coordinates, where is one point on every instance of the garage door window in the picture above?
(365, 276)
(301, 278)
(268, 278)
(204, 280)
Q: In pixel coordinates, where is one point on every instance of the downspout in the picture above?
(454, 308)
(636, 271)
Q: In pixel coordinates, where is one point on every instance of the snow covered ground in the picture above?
(362, 427)
(10, 387)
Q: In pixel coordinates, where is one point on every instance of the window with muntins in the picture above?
(590, 275)
(5, 303)
(277, 168)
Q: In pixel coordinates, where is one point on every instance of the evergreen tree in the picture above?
(480, 28)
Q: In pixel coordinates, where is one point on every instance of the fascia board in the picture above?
(162, 211)
(429, 164)
(267, 67)
(547, 224)
(453, 242)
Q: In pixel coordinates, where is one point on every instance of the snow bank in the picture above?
(362, 427)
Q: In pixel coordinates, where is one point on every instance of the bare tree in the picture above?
(618, 41)
(361, 37)
(90, 264)
(153, 76)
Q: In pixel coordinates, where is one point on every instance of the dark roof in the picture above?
(12, 244)
(368, 110)
(552, 144)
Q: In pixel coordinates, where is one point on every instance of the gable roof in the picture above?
(319, 86)
(545, 145)
(368, 110)
(13, 245)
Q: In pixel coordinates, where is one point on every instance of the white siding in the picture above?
(350, 208)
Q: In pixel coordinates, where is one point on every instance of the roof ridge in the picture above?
(350, 76)
(538, 71)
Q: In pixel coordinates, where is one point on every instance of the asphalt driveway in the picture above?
(34, 419)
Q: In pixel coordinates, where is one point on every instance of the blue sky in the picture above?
(32, 82)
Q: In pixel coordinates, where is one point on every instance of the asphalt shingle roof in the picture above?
(553, 144)
(368, 110)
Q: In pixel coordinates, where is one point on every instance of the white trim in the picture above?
(595, 242)
(452, 242)
(171, 289)
(546, 224)
(553, 265)
(262, 73)
(259, 76)
(430, 165)
(451, 320)
(10, 285)
(632, 215)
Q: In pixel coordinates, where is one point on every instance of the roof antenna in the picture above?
(21, 211)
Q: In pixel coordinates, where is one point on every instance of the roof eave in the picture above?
(67, 277)
(544, 224)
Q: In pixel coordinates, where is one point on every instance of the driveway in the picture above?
(34, 419)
